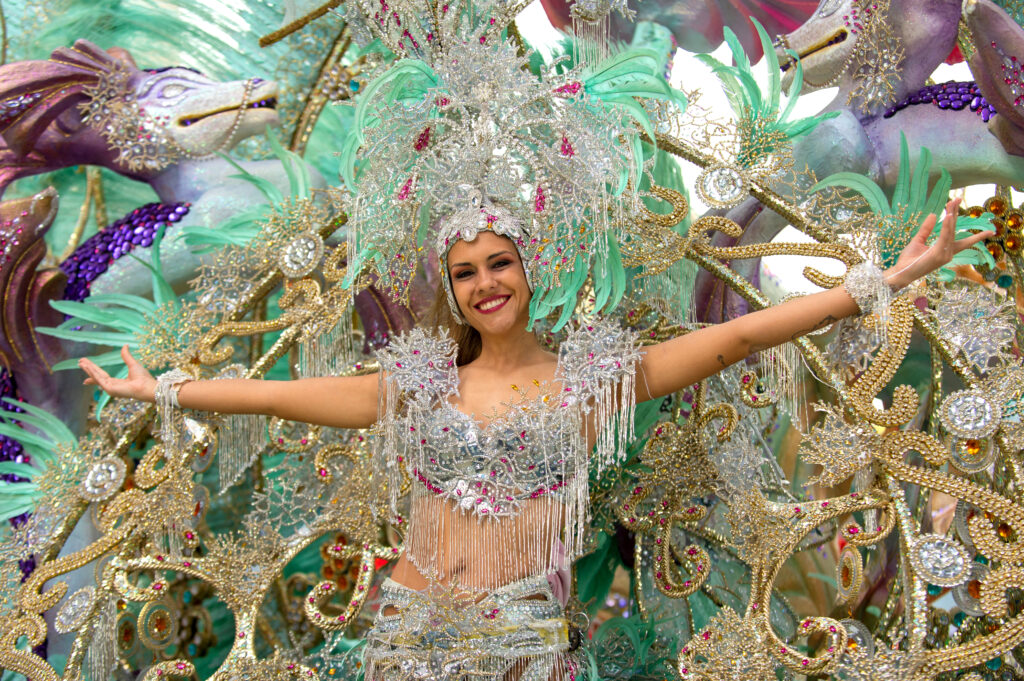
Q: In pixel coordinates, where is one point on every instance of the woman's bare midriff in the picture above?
(459, 543)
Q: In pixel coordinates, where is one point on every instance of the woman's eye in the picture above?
(172, 90)
(502, 263)
(462, 274)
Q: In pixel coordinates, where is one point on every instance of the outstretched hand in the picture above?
(919, 259)
(140, 384)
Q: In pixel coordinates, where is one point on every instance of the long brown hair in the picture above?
(440, 317)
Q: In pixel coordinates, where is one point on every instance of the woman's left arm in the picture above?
(685, 360)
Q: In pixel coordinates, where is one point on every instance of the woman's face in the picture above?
(489, 283)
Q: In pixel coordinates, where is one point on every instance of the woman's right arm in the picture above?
(334, 401)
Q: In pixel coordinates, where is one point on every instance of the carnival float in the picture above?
(187, 179)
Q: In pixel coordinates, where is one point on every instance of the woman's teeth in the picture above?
(491, 304)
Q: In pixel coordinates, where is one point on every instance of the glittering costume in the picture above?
(494, 508)
(423, 635)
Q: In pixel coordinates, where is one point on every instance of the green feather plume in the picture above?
(765, 129)
(911, 197)
(42, 436)
(114, 320)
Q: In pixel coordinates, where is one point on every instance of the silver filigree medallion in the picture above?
(301, 255)
(75, 610)
(939, 560)
(970, 414)
(722, 186)
(103, 479)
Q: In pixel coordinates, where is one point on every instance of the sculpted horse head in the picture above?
(697, 24)
(998, 66)
(85, 105)
(890, 45)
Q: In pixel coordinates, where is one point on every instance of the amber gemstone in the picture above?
(127, 635)
(161, 622)
(999, 226)
(1013, 243)
(996, 206)
(1014, 221)
(1004, 531)
(845, 577)
(974, 589)
(995, 249)
(973, 447)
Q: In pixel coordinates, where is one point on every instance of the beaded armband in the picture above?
(867, 286)
(166, 397)
(167, 386)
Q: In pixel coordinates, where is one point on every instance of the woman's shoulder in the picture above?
(420, 360)
(597, 351)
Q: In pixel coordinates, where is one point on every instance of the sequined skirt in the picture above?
(518, 631)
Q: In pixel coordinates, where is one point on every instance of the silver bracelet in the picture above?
(166, 398)
(866, 284)
(167, 386)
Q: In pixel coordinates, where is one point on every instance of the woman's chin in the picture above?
(498, 322)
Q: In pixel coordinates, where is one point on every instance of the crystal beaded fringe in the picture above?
(330, 352)
(240, 441)
(592, 39)
(866, 284)
(175, 438)
(780, 367)
(166, 397)
(102, 655)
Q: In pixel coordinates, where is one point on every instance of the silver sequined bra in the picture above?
(522, 477)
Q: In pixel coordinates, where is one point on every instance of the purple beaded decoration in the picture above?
(98, 252)
(951, 96)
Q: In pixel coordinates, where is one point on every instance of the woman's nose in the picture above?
(485, 280)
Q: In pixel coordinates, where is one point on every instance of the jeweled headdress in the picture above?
(561, 149)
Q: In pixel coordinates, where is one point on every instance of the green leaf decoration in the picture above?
(120, 319)
(22, 470)
(768, 126)
(104, 359)
(878, 202)
(266, 187)
(95, 337)
(137, 303)
(42, 420)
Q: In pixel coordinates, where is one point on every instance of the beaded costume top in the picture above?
(515, 489)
